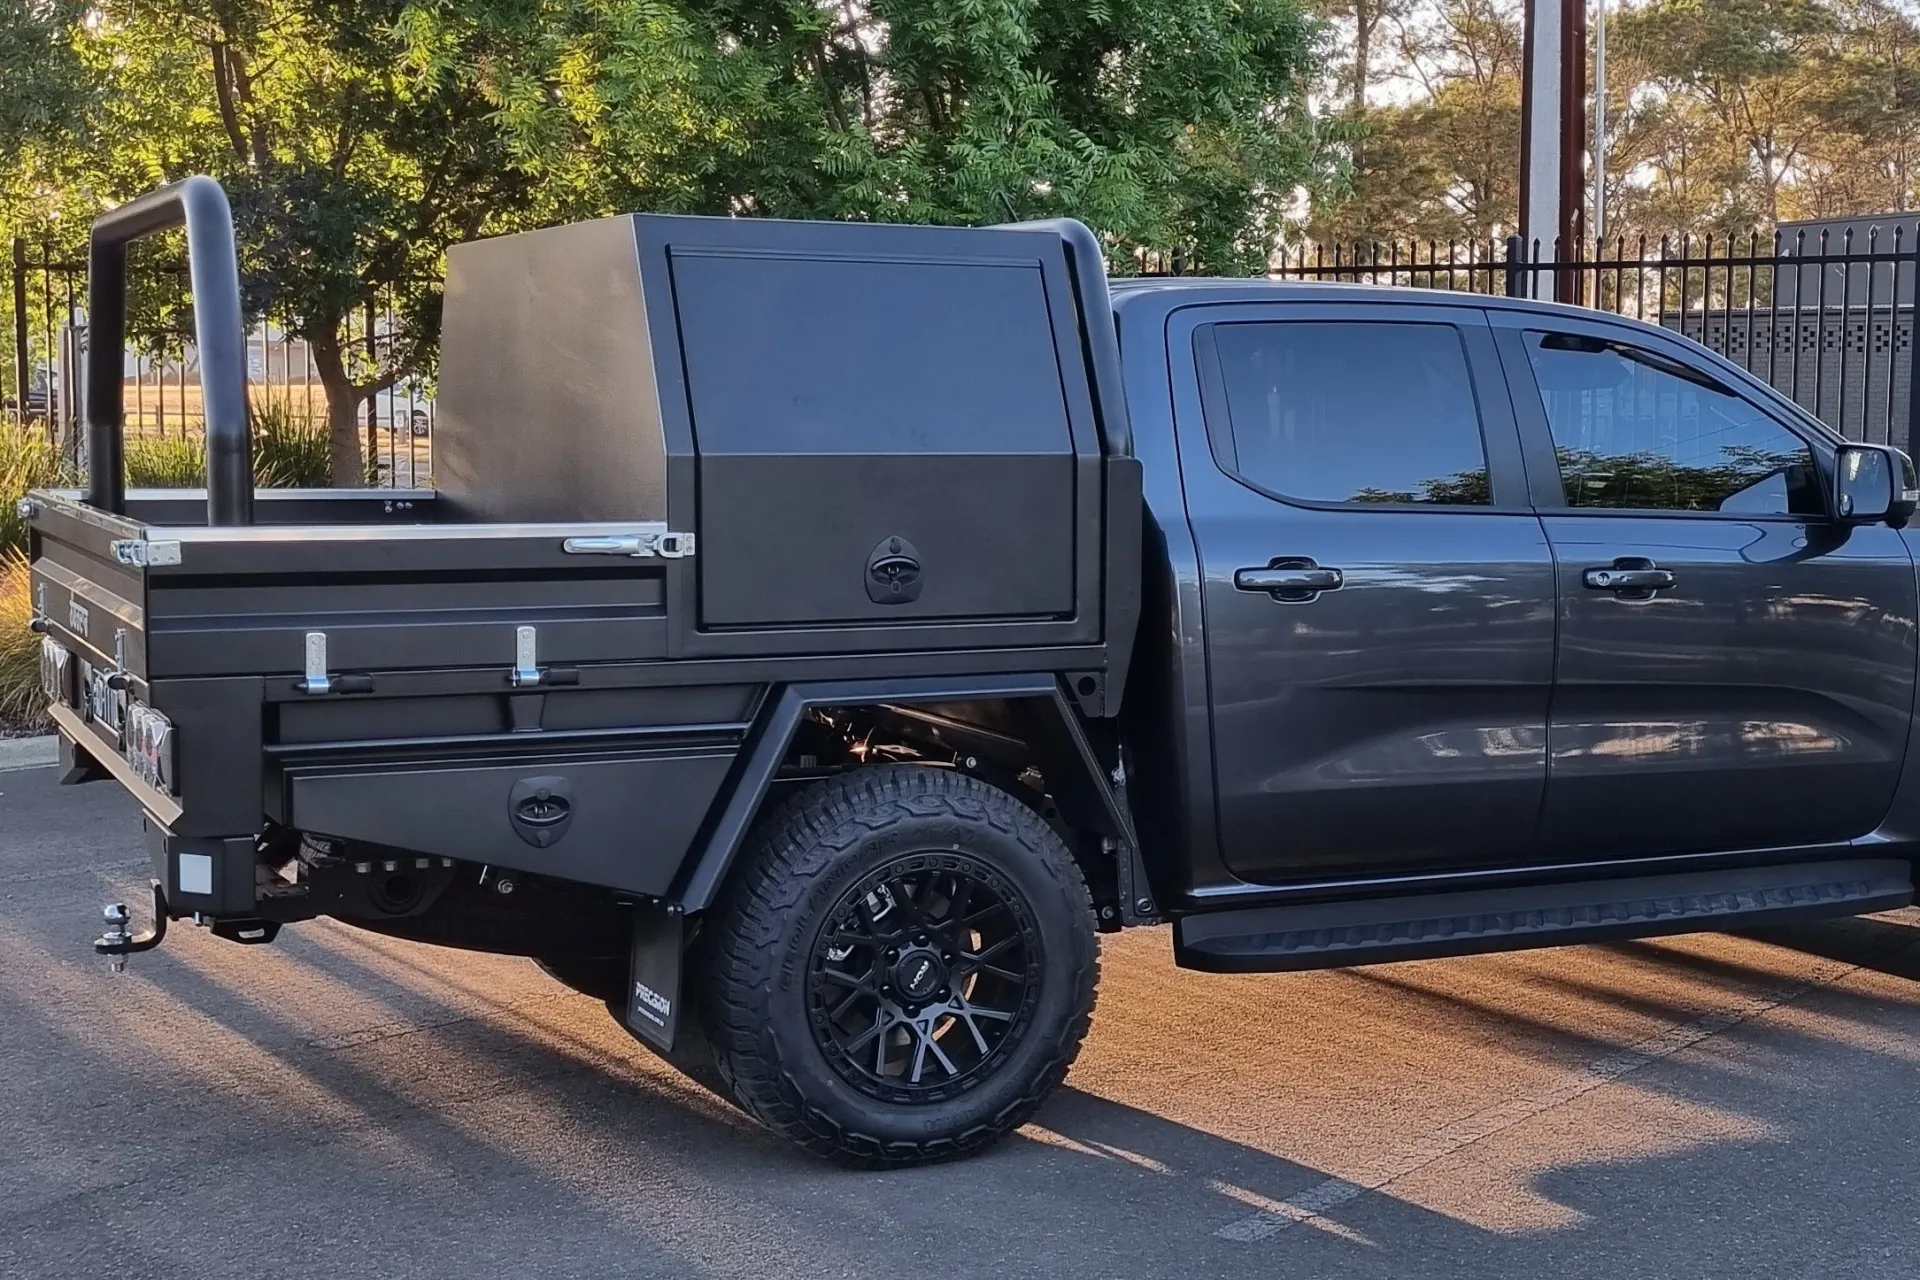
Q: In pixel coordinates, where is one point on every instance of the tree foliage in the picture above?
(1723, 116)
(359, 139)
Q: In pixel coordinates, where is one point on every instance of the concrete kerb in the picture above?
(29, 753)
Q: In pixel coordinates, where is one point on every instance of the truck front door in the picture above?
(1735, 668)
(1378, 594)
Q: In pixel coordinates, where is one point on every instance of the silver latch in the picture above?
(26, 508)
(141, 553)
(665, 545)
(526, 667)
(317, 680)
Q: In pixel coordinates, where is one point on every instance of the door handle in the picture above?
(1290, 581)
(1629, 576)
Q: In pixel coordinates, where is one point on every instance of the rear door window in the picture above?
(1350, 412)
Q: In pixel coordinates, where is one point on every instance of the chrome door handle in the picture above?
(1629, 577)
(1290, 581)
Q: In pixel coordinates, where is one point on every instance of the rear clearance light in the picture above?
(147, 744)
(56, 671)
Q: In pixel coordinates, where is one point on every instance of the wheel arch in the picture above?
(1079, 771)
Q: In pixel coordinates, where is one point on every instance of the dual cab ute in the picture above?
(820, 633)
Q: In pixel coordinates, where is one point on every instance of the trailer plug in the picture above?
(116, 943)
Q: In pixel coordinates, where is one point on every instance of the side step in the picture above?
(1331, 935)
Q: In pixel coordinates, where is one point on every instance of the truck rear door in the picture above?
(1378, 594)
(1752, 686)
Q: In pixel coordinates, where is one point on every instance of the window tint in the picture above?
(1638, 430)
(1351, 411)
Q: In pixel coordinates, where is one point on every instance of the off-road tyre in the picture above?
(792, 881)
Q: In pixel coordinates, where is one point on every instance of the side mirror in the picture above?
(1874, 483)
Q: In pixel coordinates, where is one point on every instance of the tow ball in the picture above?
(116, 944)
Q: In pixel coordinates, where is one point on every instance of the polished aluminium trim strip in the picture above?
(288, 495)
(75, 730)
(98, 597)
(401, 532)
(66, 503)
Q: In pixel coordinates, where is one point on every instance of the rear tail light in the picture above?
(56, 671)
(147, 744)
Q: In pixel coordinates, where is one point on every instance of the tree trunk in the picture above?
(1364, 19)
(343, 440)
(343, 406)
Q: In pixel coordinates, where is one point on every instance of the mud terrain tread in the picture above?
(794, 845)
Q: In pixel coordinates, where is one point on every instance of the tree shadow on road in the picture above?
(457, 1126)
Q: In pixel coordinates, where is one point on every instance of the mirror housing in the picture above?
(1873, 483)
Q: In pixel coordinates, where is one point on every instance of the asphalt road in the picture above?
(340, 1104)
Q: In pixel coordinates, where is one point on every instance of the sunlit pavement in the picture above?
(340, 1104)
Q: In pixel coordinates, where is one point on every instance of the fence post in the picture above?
(20, 326)
(1516, 254)
(1913, 342)
(373, 399)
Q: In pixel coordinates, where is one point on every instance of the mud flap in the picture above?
(653, 975)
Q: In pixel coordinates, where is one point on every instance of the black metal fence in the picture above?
(44, 317)
(1826, 319)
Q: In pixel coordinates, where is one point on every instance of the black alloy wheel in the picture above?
(900, 969)
(923, 973)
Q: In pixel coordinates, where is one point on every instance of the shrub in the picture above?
(21, 704)
(289, 452)
(166, 462)
(27, 461)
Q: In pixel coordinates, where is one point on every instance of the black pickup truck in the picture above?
(819, 633)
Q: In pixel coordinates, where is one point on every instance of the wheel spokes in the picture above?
(925, 1043)
(861, 983)
(902, 1048)
(998, 1015)
(980, 1041)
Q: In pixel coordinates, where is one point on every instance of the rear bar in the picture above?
(218, 335)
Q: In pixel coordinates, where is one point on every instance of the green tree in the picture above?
(1741, 78)
(1444, 163)
(358, 140)
(1867, 102)
(39, 75)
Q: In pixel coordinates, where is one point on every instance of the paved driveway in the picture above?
(341, 1104)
